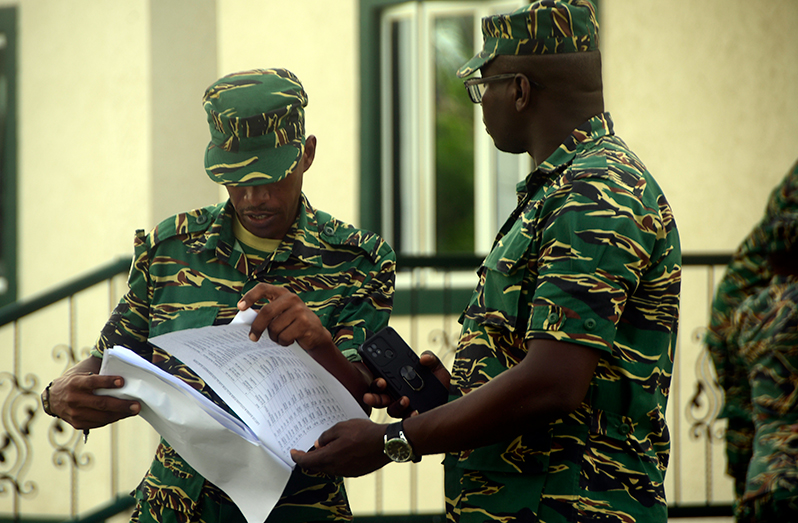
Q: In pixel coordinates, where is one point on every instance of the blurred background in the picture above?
(102, 132)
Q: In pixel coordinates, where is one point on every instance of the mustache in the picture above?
(258, 209)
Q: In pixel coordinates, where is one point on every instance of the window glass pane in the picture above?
(454, 137)
(402, 206)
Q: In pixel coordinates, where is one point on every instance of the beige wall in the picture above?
(318, 42)
(112, 131)
(183, 63)
(111, 127)
(82, 131)
(110, 135)
(707, 94)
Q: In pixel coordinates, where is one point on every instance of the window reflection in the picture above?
(454, 138)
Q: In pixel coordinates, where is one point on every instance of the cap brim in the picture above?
(475, 63)
(267, 165)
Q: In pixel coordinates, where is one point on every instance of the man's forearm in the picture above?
(550, 382)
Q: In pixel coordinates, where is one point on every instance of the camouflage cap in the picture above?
(544, 27)
(257, 122)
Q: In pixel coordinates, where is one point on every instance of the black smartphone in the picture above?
(388, 356)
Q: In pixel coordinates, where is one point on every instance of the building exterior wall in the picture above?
(112, 132)
(111, 129)
(107, 142)
(318, 42)
(705, 93)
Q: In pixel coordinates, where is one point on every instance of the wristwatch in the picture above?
(46, 401)
(397, 447)
(48, 410)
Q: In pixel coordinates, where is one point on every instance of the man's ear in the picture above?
(310, 150)
(523, 92)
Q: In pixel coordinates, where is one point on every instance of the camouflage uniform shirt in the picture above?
(767, 339)
(190, 271)
(746, 275)
(590, 256)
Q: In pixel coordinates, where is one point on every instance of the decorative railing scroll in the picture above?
(68, 445)
(20, 406)
(705, 404)
(703, 408)
(25, 426)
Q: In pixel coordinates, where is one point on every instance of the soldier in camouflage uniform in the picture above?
(746, 275)
(325, 282)
(764, 329)
(562, 372)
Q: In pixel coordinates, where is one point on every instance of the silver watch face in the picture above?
(398, 450)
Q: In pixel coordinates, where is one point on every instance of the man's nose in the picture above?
(258, 194)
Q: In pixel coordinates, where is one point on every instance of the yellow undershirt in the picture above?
(265, 245)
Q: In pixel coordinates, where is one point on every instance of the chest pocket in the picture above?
(497, 298)
(164, 320)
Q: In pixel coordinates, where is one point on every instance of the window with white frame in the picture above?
(446, 189)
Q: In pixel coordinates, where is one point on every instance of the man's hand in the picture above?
(378, 398)
(72, 397)
(350, 448)
(286, 317)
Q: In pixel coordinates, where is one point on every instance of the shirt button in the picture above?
(202, 218)
(329, 230)
(624, 429)
(590, 324)
(553, 317)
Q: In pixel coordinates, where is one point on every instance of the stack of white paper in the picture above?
(284, 397)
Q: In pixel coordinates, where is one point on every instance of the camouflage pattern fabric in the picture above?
(746, 274)
(190, 271)
(257, 125)
(544, 27)
(767, 323)
(590, 256)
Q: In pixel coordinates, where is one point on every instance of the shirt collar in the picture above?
(582, 137)
(301, 241)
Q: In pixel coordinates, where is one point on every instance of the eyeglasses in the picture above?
(476, 86)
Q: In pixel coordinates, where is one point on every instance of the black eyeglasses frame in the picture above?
(475, 87)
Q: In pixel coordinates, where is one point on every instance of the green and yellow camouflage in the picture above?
(767, 339)
(544, 27)
(746, 274)
(189, 272)
(590, 256)
(257, 125)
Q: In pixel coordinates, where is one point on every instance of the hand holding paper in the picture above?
(285, 399)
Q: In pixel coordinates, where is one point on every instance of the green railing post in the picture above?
(18, 309)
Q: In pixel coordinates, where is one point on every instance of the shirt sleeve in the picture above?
(368, 309)
(598, 246)
(128, 325)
